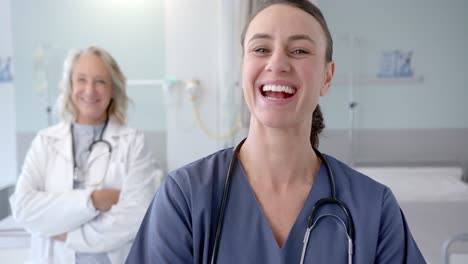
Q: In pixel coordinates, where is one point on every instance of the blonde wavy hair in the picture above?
(120, 100)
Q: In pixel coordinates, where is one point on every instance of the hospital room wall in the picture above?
(132, 31)
(417, 121)
(433, 108)
(435, 31)
(408, 123)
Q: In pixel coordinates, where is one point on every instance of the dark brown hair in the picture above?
(305, 5)
(317, 126)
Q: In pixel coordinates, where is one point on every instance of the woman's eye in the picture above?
(300, 52)
(261, 50)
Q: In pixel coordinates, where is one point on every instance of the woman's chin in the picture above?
(274, 121)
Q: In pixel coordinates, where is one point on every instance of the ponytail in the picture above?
(317, 127)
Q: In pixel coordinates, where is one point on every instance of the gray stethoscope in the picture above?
(311, 223)
(77, 173)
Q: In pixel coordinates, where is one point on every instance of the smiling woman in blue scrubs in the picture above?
(277, 177)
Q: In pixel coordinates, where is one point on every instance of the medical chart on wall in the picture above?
(395, 64)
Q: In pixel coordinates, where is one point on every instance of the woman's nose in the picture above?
(89, 88)
(278, 62)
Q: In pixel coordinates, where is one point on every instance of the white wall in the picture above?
(436, 31)
(132, 31)
(7, 101)
(192, 29)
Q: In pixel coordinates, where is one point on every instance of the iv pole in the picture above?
(41, 61)
(352, 103)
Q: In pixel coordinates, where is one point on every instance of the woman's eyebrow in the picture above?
(291, 38)
(260, 36)
(301, 37)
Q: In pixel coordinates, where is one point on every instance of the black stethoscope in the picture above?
(311, 223)
(78, 175)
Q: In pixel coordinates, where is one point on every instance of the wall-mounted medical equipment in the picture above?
(176, 90)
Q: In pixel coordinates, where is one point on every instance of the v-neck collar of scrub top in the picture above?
(316, 192)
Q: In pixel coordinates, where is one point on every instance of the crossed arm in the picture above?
(87, 220)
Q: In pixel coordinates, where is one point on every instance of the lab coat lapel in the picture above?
(61, 140)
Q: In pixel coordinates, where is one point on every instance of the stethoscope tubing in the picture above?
(91, 146)
(227, 184)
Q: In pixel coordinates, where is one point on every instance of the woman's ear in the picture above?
(329, 73)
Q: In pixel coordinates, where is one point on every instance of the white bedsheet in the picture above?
(421, 184)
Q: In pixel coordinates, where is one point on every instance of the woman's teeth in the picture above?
(278, 88)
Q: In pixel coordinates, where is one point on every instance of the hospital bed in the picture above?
(14, 242)
(435, 203)
(448, 256)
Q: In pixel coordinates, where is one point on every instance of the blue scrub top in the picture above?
(180, 224)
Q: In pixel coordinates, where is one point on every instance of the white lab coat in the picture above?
(46, 204)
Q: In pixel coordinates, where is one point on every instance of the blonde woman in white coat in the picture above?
(83, 202)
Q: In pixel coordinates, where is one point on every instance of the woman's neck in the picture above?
(90, 121)
(279, 157)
